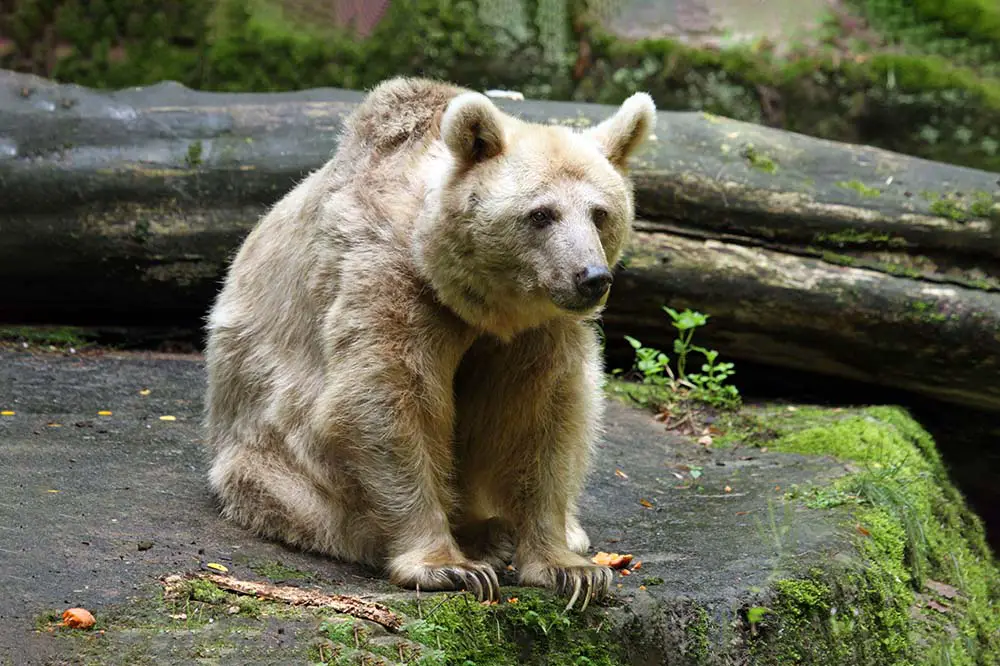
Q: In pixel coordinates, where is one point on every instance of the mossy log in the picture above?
(122, 208)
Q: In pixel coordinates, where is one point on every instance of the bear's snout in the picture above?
(593, 282)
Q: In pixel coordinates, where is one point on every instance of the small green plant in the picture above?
(708, 386)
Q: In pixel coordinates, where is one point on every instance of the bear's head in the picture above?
(525, 222)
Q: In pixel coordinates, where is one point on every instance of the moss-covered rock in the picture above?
(791, 535)
(924, 588)
(900, 574)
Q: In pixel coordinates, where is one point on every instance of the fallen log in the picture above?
(123, 207)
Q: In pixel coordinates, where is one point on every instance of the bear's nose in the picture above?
(593, 281)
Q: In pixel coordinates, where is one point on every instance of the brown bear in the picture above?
(403, 369)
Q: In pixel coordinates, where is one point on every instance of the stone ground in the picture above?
(82, 492)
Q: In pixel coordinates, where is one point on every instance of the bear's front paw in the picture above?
(581, 582)
(476, 577)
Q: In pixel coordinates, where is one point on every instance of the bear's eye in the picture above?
(542, 217)
(600, 217)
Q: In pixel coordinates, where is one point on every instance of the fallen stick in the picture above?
(295, 596)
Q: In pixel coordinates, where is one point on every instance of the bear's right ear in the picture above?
(471, 128)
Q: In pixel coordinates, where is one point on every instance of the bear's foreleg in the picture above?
(528, 414)
(386, 417)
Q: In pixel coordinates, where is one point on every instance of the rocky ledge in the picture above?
(786, 534)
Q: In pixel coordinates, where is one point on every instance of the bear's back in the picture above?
(397, 114)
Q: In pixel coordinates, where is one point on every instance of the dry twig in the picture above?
(295, 596)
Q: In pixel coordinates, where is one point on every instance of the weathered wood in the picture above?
(939, 340)
(123, 207)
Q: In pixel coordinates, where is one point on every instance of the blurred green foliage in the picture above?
(930, 89)
(964, 31)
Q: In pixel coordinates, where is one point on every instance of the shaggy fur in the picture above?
(401, 367)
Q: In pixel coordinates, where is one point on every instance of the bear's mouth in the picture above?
(576, 304)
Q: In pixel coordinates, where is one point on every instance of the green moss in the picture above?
(203, 591)
(636, 393)
(47, 619)
(912, 526)
(275, 570)
(533, 629)
(56, 336)
(758, 160)
(950, 209)
(860, 188)
(802, 597)
(193, 157)
(854, 236)
(839, 259)
(983, 205)
(965, 30)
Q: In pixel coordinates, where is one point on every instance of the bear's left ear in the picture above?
(621, 135)
(471, 128)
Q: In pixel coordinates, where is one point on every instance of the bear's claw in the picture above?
(586, 582)
(480, 580)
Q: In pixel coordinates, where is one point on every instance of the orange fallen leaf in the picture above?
(613, 560)
(646, 503)
(742, 513)
(621, 474)
(642, 587)
(861, 530)
(512, 600)
(78, 618)
(637, 565)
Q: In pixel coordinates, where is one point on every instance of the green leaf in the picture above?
(757, 613)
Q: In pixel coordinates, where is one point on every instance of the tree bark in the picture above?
(123, 207)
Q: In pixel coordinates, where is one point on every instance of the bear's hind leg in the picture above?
(266, 495)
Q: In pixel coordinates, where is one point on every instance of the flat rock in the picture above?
(104, 496)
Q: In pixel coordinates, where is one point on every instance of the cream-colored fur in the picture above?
(401, 367)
